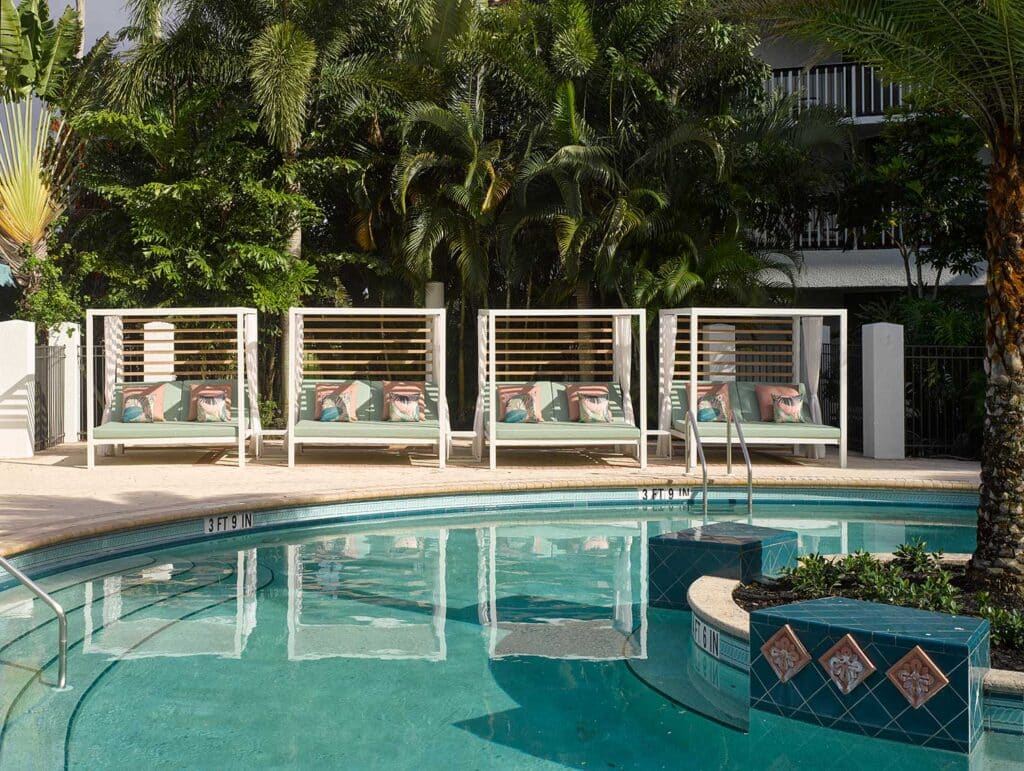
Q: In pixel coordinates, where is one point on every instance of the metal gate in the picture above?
(49, 417)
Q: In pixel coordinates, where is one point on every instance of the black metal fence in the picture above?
(828, 392)
(49, 410)
(943, 398)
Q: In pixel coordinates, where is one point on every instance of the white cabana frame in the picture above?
(170, 344)
(763, 345)
(592, 344)
(367, 344)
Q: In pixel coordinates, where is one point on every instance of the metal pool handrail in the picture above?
(730, 421)
(62, 619)
(700, 455)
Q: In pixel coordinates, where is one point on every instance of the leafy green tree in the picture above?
(962, 57)
(923, 190)
(189, 211)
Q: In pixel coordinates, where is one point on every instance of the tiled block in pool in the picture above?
(896, 673)
(724, 549)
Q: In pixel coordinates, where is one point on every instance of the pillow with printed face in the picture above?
(335, 403)
(142, 404)
(404, 402)
(519, 408)
(595, 408)
(788, 409)
(216, 402)
(574, 392)
(765, 395)
(519, 404)
(713, 403)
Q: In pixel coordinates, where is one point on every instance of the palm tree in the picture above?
(967, 57)
(37, 156)
(449, 183)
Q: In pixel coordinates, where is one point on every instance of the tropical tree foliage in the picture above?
(922, 189)
(522, 153)
(964, 57)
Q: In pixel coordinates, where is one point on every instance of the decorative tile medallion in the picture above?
(846, 664)
(785, 653)
(916, 677)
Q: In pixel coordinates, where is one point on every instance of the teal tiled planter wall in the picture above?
(797, 681)
(724, 549)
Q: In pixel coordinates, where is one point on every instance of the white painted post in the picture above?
(884, 425)
(157, 351)
(17, 389)
(69, 337)
(433, 296)
(721, 349)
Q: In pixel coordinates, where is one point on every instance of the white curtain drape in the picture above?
(435, 370)
(298, 356)
(669, 324)
(622, 369)
(113, 368)
(481, 381)
(810, 349)
(250, 336)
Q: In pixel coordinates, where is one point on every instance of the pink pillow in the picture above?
(207, 389)
(143, 398)
(404, 388)
(324, 390)
(765, 394)
(574, 391)
(505, 392)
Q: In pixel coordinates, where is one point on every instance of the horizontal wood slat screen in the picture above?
(372, 347)
(553, 347)
(754, 349)
(192, 348)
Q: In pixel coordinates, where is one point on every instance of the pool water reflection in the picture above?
(519, 641)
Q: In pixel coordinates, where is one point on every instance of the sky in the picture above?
(100, 16)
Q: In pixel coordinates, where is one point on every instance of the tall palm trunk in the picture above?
(1000, 553)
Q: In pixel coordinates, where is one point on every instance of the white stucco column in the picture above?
(721, 349)
(884, 422)
(17, 389)
(157, 351)
(433, 295)
(69, 337)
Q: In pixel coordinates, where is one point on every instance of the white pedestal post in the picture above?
(884, 422)
(69, 337)
(157, 351)
(17, 389)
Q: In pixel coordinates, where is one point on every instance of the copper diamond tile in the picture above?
(916, 677)
(785, 653)
(846, 664)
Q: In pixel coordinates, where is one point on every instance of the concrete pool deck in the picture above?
(53, 497)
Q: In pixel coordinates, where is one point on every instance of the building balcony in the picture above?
(854, 88)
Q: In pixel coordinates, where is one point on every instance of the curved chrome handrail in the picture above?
(62, 619)
(746, 459)
(700, 455)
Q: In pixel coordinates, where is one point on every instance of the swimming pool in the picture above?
(516, 639)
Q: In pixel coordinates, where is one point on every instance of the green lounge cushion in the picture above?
(367, 429)
(568, 431)
(784, 432)
(171, 429)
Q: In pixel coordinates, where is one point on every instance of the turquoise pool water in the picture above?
(505, 640)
